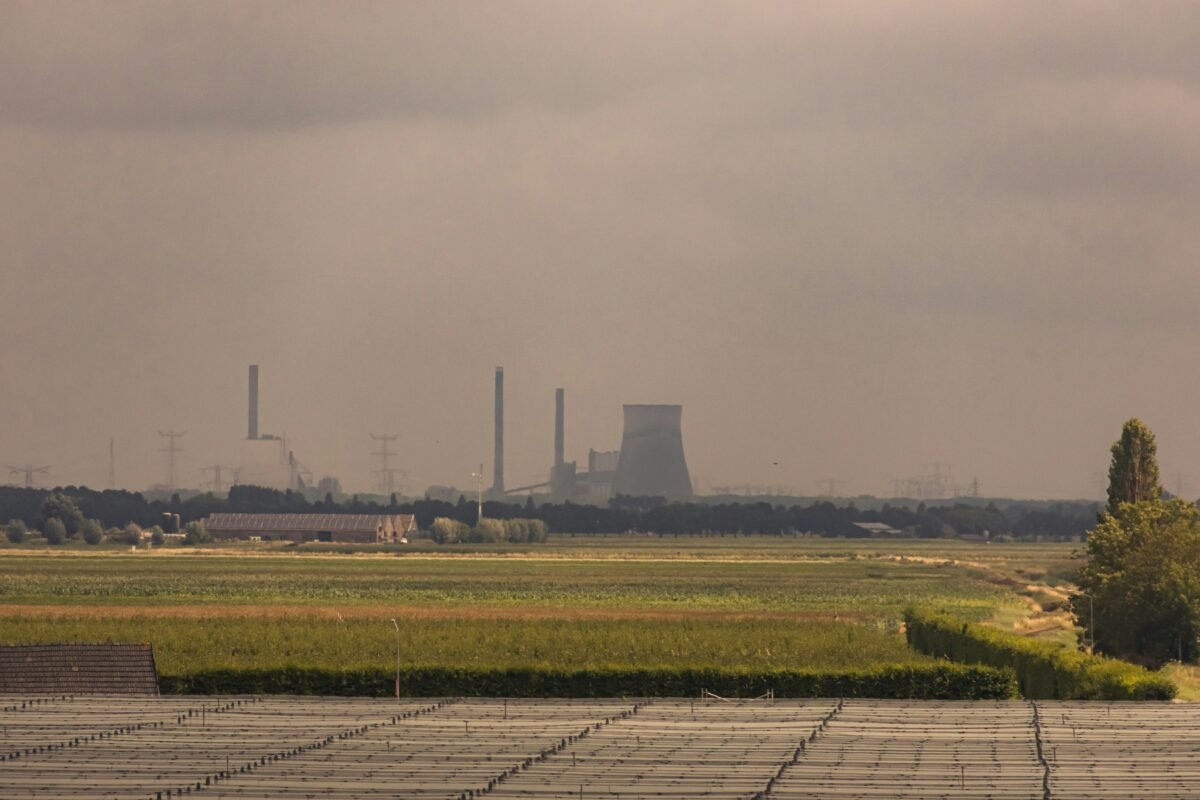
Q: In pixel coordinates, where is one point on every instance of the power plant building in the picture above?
(652, 463)
(265, 459)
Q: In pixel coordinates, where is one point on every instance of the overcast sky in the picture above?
(851, 239)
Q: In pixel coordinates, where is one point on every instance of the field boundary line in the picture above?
(180, 719)
(1041, 752)
(553, 750)
(30, 703)
(795, 759)
(213, 778)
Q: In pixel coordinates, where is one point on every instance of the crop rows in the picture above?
(184, 645)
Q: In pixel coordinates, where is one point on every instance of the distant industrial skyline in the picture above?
(853, 240)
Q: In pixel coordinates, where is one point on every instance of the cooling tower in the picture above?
(651, 462)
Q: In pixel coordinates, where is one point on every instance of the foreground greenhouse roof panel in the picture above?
(291, 748)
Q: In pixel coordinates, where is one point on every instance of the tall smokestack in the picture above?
(252, 428)
(559, 413)
(498, 463)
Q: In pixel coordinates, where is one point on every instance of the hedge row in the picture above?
(917, 681)
(1044, 670)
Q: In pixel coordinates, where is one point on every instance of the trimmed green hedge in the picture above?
(1045, 670)
(909, 681)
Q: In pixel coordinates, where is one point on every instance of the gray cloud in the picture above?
(861, 237)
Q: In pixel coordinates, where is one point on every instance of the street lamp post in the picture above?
(1091, 623)
(479, 475)
(397, 627)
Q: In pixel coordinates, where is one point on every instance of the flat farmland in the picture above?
(643, 601)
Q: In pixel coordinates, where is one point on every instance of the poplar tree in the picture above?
(1133, 471)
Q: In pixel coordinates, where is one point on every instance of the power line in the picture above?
(28, 471)
(217, 484)
(387, 475)
(172, 450)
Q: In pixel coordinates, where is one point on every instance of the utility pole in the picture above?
(172, 450)
(27, 472)
(387, 476)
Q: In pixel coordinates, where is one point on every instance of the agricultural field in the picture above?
(753, 603)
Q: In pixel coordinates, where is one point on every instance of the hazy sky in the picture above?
(851, 239)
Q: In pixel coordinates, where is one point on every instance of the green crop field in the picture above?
(574, 602)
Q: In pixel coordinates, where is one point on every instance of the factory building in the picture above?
(265, 459)
(351, 528)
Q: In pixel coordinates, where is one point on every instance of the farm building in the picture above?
(358, 528)
(30, 670)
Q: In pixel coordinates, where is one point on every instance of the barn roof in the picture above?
(295, 522)
(57, 669)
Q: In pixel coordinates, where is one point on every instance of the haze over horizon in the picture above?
(852, 239)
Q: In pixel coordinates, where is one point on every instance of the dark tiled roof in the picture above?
(55, 669)
(294, 522)
(301, 522)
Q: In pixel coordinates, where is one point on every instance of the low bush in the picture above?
(1044, 670)
(16, 531)
(55, 531)
(915, 681)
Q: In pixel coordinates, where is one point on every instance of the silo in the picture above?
(651, 462)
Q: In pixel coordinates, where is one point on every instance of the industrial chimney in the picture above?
(252, 431)
(651, 462)
(559, 412)
(498, 463)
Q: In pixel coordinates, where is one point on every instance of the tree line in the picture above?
(1017, 520)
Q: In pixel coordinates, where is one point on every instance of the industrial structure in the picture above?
(300, 528)
(266, 460)
(652, 463)
(498, 454)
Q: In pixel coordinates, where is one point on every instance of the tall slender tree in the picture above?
(1133, 471)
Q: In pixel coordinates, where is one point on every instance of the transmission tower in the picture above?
(172, 450)
(27, 473)
(387, 476)
(217, 484)
(828, 487)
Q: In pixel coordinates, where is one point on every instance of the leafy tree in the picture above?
(62, 508)
(16, 531)
(93, 531)
(1142, 579)
(448, 531)
(54, 531)
(487, 530)
(195, 533)
(132, 534)
(156, 536)
(1133, 471)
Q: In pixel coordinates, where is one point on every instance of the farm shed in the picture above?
(69, 669)
(359, 528)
